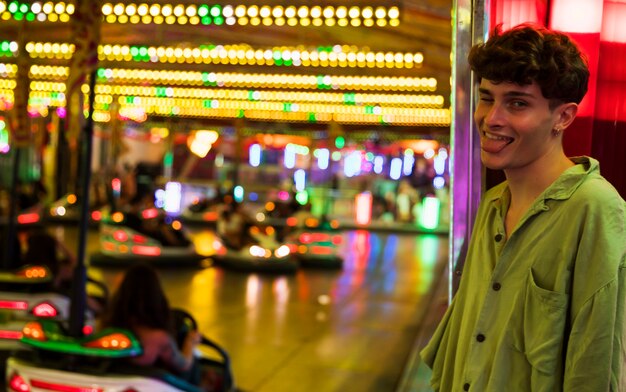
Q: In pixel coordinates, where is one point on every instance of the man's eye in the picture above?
(519, 104)
(486, 99)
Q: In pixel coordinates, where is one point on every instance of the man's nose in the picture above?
(494, 115)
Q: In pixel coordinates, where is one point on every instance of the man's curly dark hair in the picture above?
(527, 54)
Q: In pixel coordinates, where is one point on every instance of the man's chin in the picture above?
(490, 163)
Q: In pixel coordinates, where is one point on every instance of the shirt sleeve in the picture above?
(595, 356)
(172, 357)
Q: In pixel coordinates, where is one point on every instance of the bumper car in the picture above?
(26, 294)
(316, 249)
(98, 362)
(260, 253)
(121, 245)
(205, 212)
(67, 210)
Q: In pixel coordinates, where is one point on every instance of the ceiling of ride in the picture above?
(424, 28)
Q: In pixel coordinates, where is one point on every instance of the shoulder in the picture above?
(154, 343)
(154, 336)
(596, 189)
(600, 199)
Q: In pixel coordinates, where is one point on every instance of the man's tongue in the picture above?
(493, 145)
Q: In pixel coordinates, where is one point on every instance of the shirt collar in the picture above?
(570, 179)
(563, 187)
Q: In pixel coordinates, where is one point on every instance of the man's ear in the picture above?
(566, 113)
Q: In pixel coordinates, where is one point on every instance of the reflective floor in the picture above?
(347, 330)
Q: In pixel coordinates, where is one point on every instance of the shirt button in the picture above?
(480, 338)
(498, 237)
(466, 387)
(496, 286)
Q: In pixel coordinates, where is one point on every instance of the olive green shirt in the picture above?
(544, 309)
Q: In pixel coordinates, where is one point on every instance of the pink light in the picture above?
(363, 208)
(576, 16)
(15, 305)
(48, 386)
(150, 213)
(319, 237)
(139, 239)
(120, 236)
(17, 383)
(11, 335)
(306, 238)
(613, 26)
(513, 12)
(116, 184)
(283, 195)
(45, 309)
(146, 250)
(31, 217)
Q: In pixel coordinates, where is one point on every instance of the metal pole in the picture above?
(10, 252)
(466, 168)
(78, 300)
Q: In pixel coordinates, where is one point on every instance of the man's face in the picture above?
(515, 125)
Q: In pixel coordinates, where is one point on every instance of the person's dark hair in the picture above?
(139, 300)
(527, 54)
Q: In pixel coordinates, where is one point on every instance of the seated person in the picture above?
(141, 306)
(42, 248)
(233, 226)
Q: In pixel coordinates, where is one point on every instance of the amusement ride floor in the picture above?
(318, 330)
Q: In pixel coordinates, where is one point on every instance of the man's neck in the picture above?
(527, 183)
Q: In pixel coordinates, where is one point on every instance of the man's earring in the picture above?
(556, 131)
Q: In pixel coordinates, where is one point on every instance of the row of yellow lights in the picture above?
(105, 94)
(228, 14)
(8, 70)
(245, 95)
(50, 11)
(274, 96)
(41, 90)
(252, 14)
(434, 119)
(40, 100)
(242, 95)
(8, 84)
(150, 104)
(232, 79)
(340, 56)
(253, 11)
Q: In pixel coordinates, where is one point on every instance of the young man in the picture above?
(541, 302)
